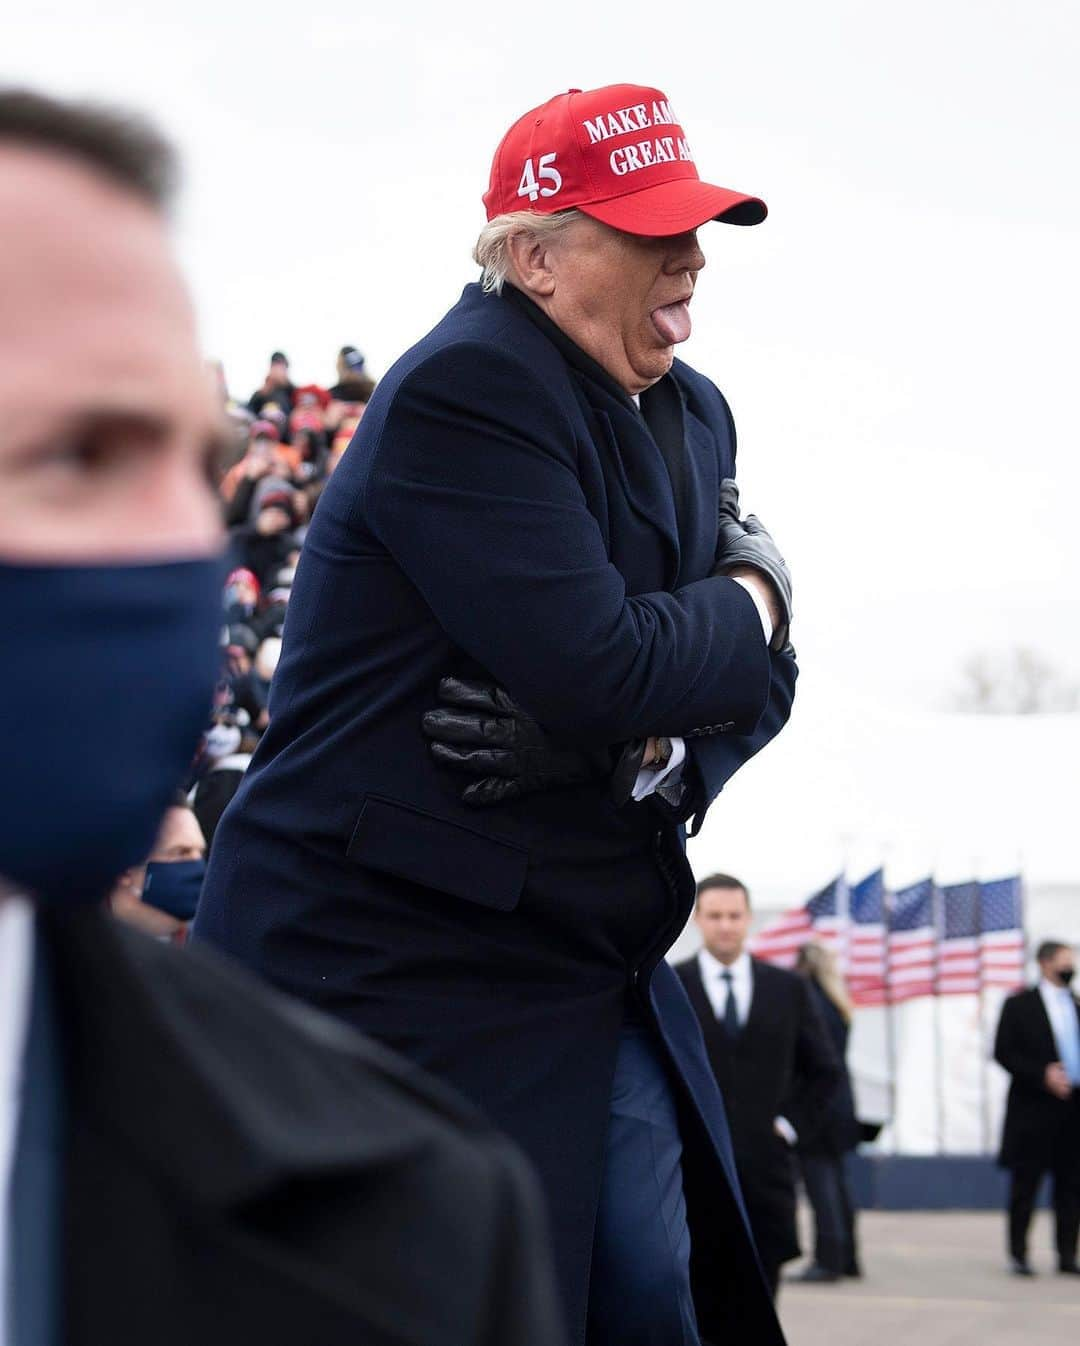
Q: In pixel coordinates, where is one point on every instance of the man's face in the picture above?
(622, 298)
(107, 422)
(723, 917)
(1061, 961)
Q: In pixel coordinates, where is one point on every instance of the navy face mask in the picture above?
(105, 686)
(174, 886)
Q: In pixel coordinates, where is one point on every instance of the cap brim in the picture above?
(676, 208)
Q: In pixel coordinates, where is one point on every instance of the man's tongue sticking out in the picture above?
(672, 321)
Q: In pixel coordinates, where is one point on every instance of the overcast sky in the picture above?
(897, 341)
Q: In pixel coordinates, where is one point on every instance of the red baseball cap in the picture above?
(618, 154)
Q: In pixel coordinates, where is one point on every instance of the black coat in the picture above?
(240, 1169)
(839, 1129)
(1040, 1130)
(781, 1064)
(504, 510)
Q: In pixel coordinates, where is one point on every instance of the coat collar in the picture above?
(647, 472)
(571, 352)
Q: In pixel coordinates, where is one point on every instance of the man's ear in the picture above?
(530, 263)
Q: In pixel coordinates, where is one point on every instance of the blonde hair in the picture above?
(491, 252)
(818, 963)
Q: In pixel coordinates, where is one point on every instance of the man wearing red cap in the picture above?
(537, 517)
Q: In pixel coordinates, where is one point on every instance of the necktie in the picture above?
(731, 1012)
(35, 1193)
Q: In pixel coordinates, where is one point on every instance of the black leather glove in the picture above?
(745, 542)
(480, 730)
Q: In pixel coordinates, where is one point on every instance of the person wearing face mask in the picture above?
(185, 1155)
(1038, 1043)
(161, 896)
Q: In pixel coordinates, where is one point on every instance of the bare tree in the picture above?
(1014, 682)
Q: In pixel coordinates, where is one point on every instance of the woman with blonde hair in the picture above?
(823, 1160)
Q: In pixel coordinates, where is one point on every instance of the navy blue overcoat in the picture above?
(504, 510)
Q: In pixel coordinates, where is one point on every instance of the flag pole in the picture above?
(937, 908)
(984, 1054)
(843, 906)
(890, 1011)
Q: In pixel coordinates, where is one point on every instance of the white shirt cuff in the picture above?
(759, 603)
(648, 779)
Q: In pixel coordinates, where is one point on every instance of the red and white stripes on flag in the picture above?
(820, 918)
(918, 941)
(958, 953)
(912, 943)
(867, 942)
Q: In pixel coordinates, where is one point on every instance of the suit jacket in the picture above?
(241, 1169)
(504, 510)
(1039, 1128)
(781, 1064)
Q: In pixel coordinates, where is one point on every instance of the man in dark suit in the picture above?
(775, 1066)
(532, 509)
(185, 1155)
(1038, 1043)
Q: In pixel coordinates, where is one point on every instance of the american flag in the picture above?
(912, 941)
(958, 953)
(866, 941)
(1001, 933)
(820, 918)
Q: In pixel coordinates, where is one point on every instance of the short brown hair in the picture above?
(723, 881)
(1047, 950)
(119, 145)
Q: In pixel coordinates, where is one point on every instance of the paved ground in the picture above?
(937, 1280)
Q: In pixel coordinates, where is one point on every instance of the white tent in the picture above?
(850, 782)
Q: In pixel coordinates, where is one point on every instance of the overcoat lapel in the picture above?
(130, 1075)
(639, 474)
(642, 528)
(142, 1067)
(700, 498)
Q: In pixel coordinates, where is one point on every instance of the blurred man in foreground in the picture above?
(184, 1155)
(775, 1066)
(1038, 1043)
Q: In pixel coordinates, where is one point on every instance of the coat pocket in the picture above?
(436, 853)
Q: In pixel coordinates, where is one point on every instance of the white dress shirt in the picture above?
(16, 972)
(742, 984)
(1061, 1011)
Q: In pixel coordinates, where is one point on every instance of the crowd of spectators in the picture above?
(287, 440)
